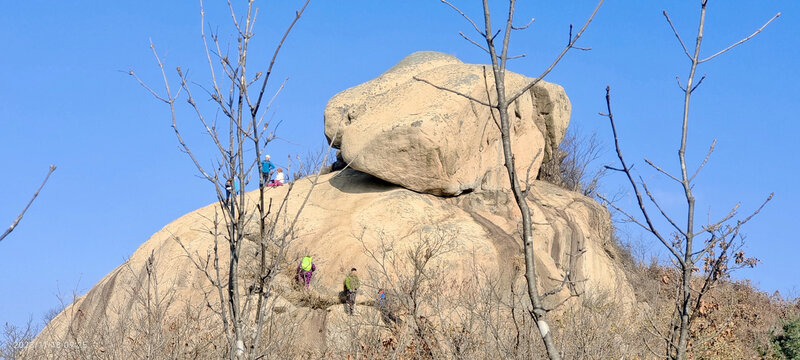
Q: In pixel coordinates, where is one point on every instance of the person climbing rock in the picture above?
(266, 170)
(305, 270)
(280, 178)
(351, 284)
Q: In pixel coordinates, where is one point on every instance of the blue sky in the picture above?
(67, 100)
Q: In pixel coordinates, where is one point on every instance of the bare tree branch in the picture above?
(558, 58)
(254, 109)
(569, 41)
(25, 209)
(674, 31)
(465, 17)
(678, 79)
(698, 84)
(473, 42)
(742, 40)
(524, 26)
(661, 210)
(705, 160)
(661, 170)
(470, 98)
(650, 227)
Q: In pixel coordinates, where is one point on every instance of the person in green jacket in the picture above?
(351, 284)
(305, 270)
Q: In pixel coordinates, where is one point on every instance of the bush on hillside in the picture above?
(787, 344)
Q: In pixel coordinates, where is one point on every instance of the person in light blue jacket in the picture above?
(267, 167)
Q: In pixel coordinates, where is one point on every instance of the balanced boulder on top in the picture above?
(413, 134)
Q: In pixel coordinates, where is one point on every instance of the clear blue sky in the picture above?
(66, 100)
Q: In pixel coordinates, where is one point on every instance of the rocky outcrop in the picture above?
(408, 143)
(349, 214)
(408, 132)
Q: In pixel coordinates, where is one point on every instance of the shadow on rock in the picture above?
(356, 182)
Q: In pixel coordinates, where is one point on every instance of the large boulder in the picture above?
(408, 143)
(406, 131)
(351, 219)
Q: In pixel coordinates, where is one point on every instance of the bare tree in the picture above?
(713, 250)
(243, 227)
(504, 99)
(21, 214)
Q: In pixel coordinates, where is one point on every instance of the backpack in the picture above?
(306, 263)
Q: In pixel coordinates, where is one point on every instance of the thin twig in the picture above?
(661, 170)
(698, 83)
(742, 40)
(528, 171)
(678, 79)
(558, 58)
(465, 17)
(298, 13)
(705, 160)
(21, 214)
(524, 26)
(674, 31)
(661, 210)
(470, 98)
(569, 41)
(472, 41)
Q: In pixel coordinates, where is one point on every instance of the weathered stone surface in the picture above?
(426, 139)
(348, 213)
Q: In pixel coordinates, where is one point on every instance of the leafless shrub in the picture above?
(440, 315)
(414, 279)
(151, 325)
(314, 161)
(597, 327)
(569, 165)
(50, 314)
(14, 339)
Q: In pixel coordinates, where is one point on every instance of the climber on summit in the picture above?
(305, 270)
(280, 177)
(266, 170)
(228, 190)
(231, 187)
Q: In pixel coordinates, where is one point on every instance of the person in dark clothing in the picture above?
(228, 190)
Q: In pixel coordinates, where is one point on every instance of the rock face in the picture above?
(409, 142)
(348, 215)
(408, 132)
